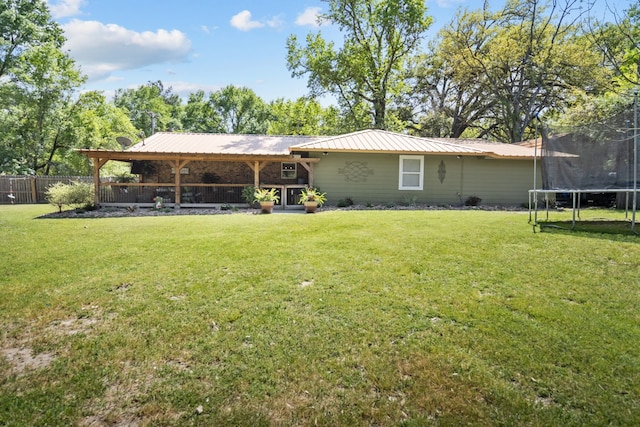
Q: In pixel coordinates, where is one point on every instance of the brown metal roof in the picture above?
(376, 141)
(212, 143)
(495, 149)
(205, 145)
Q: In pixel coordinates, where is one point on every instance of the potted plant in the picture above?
(266, 198)
(311, 198)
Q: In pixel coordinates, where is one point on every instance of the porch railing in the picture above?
(192, 195)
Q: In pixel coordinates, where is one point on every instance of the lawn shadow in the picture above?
(609, 230)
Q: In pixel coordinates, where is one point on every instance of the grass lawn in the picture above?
(339, 318)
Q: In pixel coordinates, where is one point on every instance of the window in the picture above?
(289, 170)
(411, 173)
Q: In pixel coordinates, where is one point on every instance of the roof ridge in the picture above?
(452, 144)
(233, 134)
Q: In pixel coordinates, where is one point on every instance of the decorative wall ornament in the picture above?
(355, 171)
(442, 171)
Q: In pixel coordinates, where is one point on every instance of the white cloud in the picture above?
(275, 22)
(101, 49)
(242, 21)
(65, 8)
(309, 17)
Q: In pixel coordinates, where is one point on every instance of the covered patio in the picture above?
(203, 170)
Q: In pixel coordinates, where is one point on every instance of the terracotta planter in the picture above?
(267, 207)
(310, 207)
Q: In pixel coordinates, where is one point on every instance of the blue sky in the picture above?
(198, 44)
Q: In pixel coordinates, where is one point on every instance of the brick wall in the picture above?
(226, 173)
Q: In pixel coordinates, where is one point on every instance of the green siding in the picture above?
(373, 178)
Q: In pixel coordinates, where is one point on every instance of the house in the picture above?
(369, 166)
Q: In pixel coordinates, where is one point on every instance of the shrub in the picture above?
(75, 195)
(249, 194)
(344, 203)
(409, 201)
(472, 201)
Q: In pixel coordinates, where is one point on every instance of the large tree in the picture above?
(619, 43)
(240, 110)
(36, 102)
(501, 69)
(24, 24)
(366, 71)
(151, 107)
(303, 116)
(199, 115)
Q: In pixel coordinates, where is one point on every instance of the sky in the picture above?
(199, 44)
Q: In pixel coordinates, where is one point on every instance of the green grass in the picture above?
(339, 318)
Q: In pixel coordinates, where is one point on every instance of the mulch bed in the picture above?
(113, 212)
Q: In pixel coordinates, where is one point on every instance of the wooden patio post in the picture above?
(177, 167)
(97, 164)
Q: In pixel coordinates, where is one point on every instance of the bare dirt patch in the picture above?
(22, 359)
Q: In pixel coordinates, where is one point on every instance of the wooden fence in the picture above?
(22, 189)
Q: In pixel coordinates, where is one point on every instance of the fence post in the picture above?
(34, 190)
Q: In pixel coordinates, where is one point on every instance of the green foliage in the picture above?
(492, 73)
(249, 194)
(303, 116)
(150, 107)
(240, 110)
(344, 203)
(75, 194)
(200, 115)
(311, 194)
(266, 195)
(379, 36)
(409, 201)
(25, 24)
(473, 201)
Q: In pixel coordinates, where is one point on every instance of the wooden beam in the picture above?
(128, 156)
(177, 165)
(309, 168)
(256, 166)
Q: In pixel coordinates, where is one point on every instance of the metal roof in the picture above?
(376, 141)
(367, 141)
(215, 143)
(495, 149)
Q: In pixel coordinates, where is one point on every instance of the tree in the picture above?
(35, 79)
(379, 37)
(35, 105)
(303, 116)
(619, 44)
(24, 24)
(89, 123)
(200, 116)
(502, 69)
(241, 110)
(151, 107)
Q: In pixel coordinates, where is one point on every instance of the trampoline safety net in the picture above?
(598, 156)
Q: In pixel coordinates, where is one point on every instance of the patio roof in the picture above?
(216, 143)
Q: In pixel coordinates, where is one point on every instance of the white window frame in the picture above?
(402, 173)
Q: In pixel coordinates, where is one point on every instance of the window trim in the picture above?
(402, 173)
(286, 173)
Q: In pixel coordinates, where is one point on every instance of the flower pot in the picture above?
(310, 207)
(267, 207)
